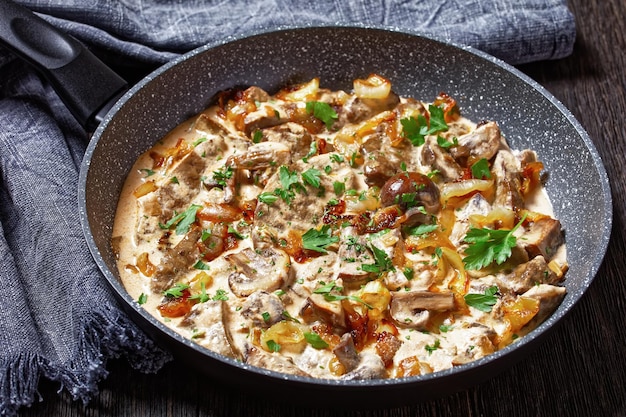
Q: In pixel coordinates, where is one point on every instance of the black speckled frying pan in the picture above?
(485, 88)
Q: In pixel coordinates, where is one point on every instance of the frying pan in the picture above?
(418, 66)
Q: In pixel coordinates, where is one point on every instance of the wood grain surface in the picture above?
(579, 370)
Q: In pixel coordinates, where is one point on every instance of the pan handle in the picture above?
(85, 84)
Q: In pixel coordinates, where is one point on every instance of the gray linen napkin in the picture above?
(58, 319)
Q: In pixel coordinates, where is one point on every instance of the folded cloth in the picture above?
(58, 318)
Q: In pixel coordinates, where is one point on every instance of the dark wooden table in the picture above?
(580, 370)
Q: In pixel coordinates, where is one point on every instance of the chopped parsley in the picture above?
(257, 136)
(315, 340)
(147, 171)
(381, 264)
(222, 175)
(201, 265)
(143, 298)
(480, 169)
(322, 111)
(318, 240)
(312, 177)
(267, 198)
(431, 348)
(483, 302)
(273, 346)
(176, 291)
(183, 221)
(220, 295)
(203, 297)
(420, 230)
(199, 141)
(488, 245)
(327, 291)
(415, 130)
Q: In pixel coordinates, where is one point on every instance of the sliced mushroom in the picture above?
(370, 366)
(176, 260)
(263, 309)
(436, 158)
(412, 309)
(346, 353)
(483, 142)
(411, 189)
(265, 270)
(207, 320)
(274, 362)
(260, 156)
(317, 308)
(507, 170)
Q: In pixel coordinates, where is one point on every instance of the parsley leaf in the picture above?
(318, 240)
(267, 198)
(488, 245)
(222, 175)
(483, 302)
(420, 230)
(480, 169)
(176, 291)
(445, 143)
(183, 221)
(381, 264)
(315, 340)
(437, 120)
(322, 111)
(430, 349)
(412, 129)
(326, 290)
(415, 130)
(312, 177)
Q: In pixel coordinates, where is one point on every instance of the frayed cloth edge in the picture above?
(102, 337)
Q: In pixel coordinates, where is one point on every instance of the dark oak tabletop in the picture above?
(579, 369)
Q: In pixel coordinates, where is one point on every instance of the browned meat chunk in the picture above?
(527, 275)
(176, 260)
(438, 159)
(543, 238)
(412, 308)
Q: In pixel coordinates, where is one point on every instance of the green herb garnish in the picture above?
(183, 221)
(315, 340)
(483, 302)
(488, 245)
(318, 240)
(322, 111)
(480, 169)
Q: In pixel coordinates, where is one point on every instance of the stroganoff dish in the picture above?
(337, 234)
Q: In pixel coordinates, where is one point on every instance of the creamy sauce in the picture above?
(273, 296)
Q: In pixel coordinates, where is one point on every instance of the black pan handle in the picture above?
(85, 84)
